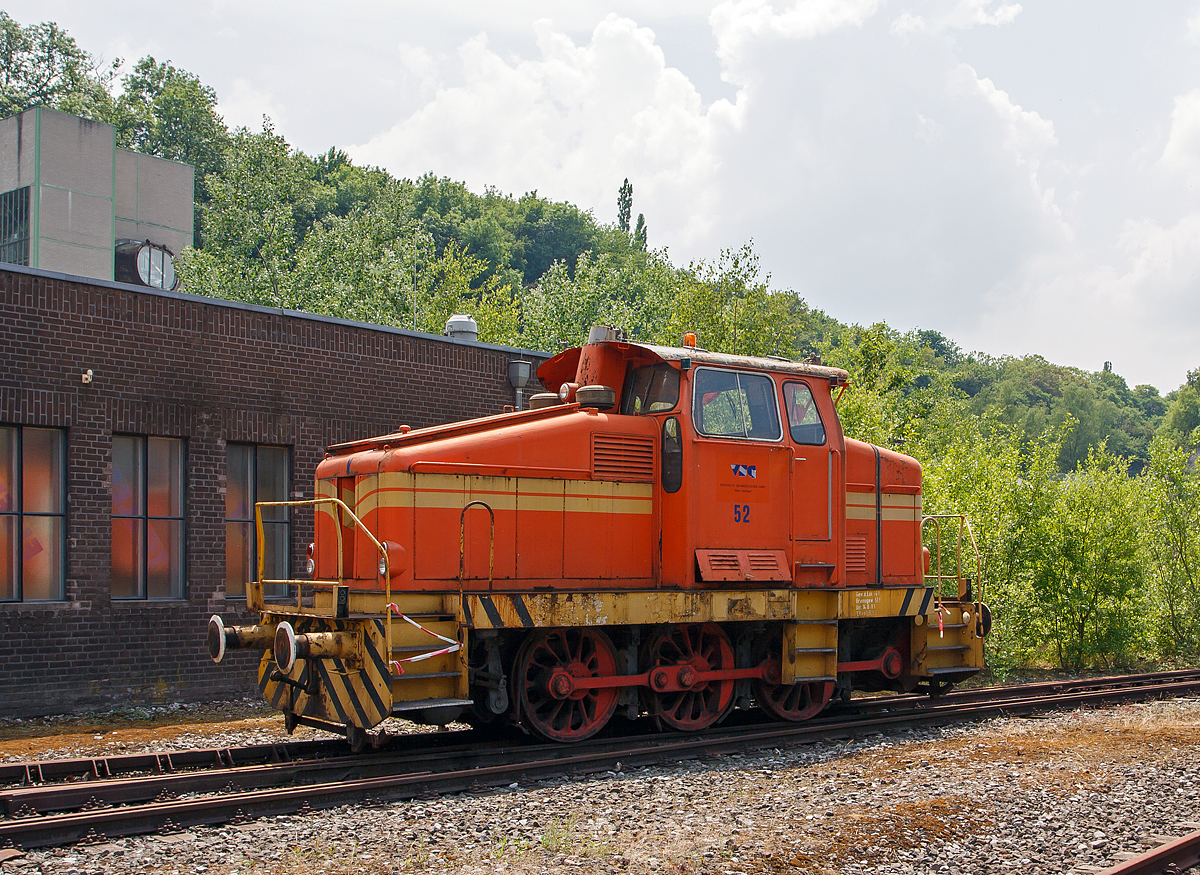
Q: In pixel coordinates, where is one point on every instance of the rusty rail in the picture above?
(485, 767)
(1170, 858)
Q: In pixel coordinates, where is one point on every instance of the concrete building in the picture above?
(72, 201)
(137, 429)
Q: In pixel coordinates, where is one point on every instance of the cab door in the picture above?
(740, 479)
(813, 479)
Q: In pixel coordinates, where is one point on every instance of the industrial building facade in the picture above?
(137, 430)
(72, 201)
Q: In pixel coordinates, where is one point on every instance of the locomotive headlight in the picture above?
(564, 391)
(310, 567)
(394, 561)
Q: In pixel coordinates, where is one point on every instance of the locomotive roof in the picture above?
(705, 357)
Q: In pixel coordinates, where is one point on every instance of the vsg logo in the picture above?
(750, 471)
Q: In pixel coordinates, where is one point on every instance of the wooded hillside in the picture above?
(1083, 491)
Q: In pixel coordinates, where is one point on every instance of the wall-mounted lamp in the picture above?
(87, 377)
(519, 372)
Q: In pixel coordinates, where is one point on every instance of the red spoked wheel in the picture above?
(702, 647)
(581, 653)
(791, 702)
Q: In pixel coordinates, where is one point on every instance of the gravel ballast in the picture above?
(1061, 793)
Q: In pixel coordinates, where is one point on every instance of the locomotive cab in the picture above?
(667, 531)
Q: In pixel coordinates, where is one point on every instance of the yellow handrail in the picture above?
(937, 576)
(254, 596)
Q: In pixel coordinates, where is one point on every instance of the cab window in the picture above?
(651, 389)
(735, 404)
(804, 421)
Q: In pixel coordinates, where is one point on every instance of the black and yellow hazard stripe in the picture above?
(348, 694)
(497, 611)
(923, 601)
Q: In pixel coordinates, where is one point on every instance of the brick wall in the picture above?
(208, 371)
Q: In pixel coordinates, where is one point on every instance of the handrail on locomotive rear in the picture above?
(462, 544)
(254, 594)
(957, 577)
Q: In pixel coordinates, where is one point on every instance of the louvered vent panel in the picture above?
(723, 561)
(758, 565)
(623, 457)
(764, 562)
(856, 554)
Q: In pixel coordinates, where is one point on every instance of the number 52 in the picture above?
(741, 513)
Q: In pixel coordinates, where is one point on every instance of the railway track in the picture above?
(1172, 856)
(236, 784)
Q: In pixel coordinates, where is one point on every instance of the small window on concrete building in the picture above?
(32, 513)
(256, 473)
(147, 517)
(14, 226)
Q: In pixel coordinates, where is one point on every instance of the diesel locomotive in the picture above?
(667, 532)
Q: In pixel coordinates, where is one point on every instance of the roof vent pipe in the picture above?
(462, 327)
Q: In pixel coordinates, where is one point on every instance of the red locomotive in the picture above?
(668, 531)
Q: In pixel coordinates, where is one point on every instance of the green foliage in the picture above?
(1172, 544)
(732, 308)
(624, 205)
(167, 112)
(251, 227)
(1083, 494)
(1181, 424)
(1087, 569)
(41, 65)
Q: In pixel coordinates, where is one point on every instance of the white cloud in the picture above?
(927, 162)
(1182, 151)
(572, 123)
(739, 23)
(1027, 135)
(1134, 304)
(419, 63)
(960, 15)
(244, 106)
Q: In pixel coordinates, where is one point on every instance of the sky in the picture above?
(1021, 177)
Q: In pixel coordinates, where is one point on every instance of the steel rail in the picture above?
(26, 773)
(40, 831)
(1066, 685)
(1170, 858)
(95, 781)
(103, 767)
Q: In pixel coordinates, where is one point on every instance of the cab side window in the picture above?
(804, 421)
(651, 389)
(734, 404)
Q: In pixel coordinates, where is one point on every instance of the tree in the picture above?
(1088, 573)
(639, 233)
(1182, 421)
(624, 205)
(41, 65)
(251, 227)
(1172, 507)
(733, 309)
(169, 113)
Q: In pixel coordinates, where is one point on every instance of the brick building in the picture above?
(137, 428)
